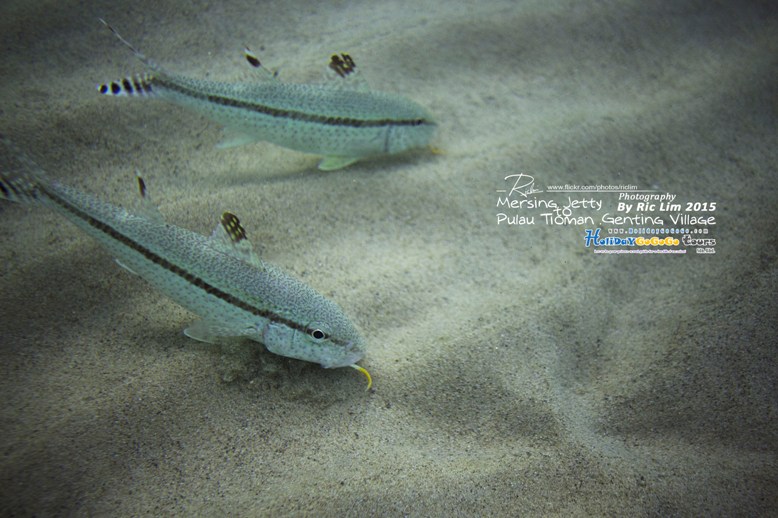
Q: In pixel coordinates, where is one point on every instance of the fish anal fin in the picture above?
(235, 138)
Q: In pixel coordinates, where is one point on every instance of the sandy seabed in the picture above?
(516, 371)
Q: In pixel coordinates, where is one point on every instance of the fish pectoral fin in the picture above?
(235, 138)
(126, 267)
(209, 332)
(331, 163)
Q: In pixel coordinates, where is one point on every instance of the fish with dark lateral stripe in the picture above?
(220, 278)
(344, 124)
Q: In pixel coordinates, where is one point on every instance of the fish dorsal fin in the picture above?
(230, 237)
(254, 61)
(343, 65)
(344, 68)
(147, 208)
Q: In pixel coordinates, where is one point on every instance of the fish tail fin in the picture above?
(151, 64)
(21, 179)
(139, 85)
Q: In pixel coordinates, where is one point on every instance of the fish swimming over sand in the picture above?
(220, 278)
(340, 122)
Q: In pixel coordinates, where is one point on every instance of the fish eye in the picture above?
(317, 334)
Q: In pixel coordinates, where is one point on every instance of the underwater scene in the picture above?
(512, 258)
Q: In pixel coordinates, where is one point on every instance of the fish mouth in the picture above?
(354, 354)
(351, 359)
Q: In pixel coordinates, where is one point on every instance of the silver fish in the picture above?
(342, 123)
(220, 278)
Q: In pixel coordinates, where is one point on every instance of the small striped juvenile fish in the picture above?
(342, 124)
(220, 278)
